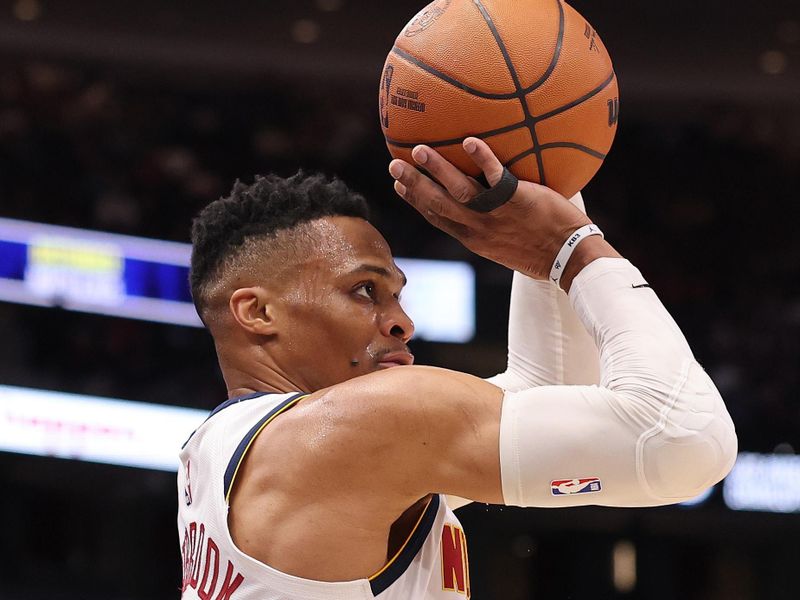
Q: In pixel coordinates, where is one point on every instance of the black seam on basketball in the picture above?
(529, 121)
(447, 79)
(556, 53)
(437, 143)
(500, 44)
(536, 150)
(520, 156)
(578, 101)
(574, 146)
(549, 145)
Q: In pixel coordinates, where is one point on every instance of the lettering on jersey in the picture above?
(201, 554)
(455, 561)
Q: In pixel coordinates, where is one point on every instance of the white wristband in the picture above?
(563, 256)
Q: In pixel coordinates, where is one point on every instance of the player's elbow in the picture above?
(679, 467)
(694, 445)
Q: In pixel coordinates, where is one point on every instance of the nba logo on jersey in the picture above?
(568, 487)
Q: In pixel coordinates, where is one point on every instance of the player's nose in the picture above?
(397, 324)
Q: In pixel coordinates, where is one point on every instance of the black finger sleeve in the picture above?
(495, 196)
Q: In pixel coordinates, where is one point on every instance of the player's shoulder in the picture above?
(370, 441)
(403, 385)
(391, 405)
(373, 420)
(348, 430)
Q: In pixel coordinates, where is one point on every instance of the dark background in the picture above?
(130, 116)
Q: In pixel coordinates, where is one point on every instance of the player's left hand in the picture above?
(524, 234)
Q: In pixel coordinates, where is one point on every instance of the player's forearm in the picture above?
(547, 343)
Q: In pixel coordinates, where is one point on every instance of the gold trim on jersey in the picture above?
(403, 547)
(283, 409)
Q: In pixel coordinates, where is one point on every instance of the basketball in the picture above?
(530, 77)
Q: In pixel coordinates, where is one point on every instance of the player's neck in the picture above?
(244, 387)
(256, 376)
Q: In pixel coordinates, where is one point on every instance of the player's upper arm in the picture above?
(404, 432)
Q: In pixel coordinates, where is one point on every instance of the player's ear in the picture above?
(253, 311)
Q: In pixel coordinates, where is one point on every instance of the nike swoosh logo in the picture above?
(641, 285)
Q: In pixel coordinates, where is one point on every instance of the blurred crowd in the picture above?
(702, 202)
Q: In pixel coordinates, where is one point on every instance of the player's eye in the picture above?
(366, 289)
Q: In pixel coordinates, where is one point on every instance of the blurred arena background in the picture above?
(127, 117)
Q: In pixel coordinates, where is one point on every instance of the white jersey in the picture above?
(431, 565)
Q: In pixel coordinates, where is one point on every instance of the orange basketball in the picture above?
(531, 77)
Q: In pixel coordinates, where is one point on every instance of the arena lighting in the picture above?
(139, 278)
(764, 482)
(623, 566)
(104, 430)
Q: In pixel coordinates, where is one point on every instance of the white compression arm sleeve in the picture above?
(655, 431)
(547, 343)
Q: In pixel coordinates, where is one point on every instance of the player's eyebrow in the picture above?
(380, 271)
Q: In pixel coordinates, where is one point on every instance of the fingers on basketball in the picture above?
(430, 199)
(460, 186)
(484, 158)
(420, 191)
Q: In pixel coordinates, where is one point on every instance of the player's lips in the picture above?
(396, 359)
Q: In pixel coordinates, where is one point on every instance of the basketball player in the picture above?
(332, 470)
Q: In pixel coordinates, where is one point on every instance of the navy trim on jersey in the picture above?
(241, 449)
(402, 561)
(226, 404)
(236, 400)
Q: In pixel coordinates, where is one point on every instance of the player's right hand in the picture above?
(524, 234)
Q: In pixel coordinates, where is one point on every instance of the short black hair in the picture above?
(260, 210)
